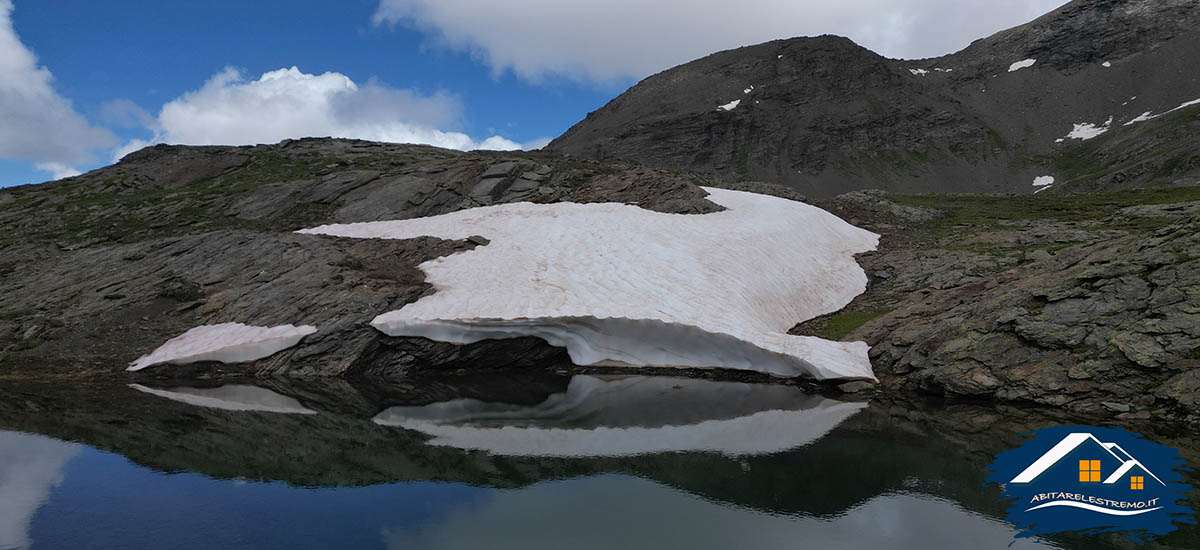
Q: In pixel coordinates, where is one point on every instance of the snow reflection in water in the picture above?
(625, 416)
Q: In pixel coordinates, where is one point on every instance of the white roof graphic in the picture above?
(1069, 444)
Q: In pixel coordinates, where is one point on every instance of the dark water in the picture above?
(507, 462)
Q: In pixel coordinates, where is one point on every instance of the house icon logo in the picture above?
(1099, 457)
(1085, 478)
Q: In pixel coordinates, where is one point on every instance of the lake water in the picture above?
(508, 461)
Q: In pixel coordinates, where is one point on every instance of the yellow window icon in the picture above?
(1089, 471)
(1137, 483)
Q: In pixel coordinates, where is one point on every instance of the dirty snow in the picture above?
(1021, 65)
(628, 416)
(231, 398)
(619, 285)
(730, 106)
(1088, 130)
(225, 343)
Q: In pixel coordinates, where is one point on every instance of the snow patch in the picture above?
(619, 285)
(225, 343)
(1088, 130)
(748, 90)
(1021, 65)
(730, 106)
(1042, 181)
(1059, 140)
(1148, 116)
(629, 416)
(1106, 64)
(231, 398)
(923, 72)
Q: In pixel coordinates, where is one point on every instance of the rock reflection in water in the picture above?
(626, 512)
(633, 415)
(899, 473)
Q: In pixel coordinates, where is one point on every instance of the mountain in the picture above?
(1099, 94)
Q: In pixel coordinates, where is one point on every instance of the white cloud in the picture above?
(57, 170)
(595, 40)
(30, 467)
(230, 109)
(37, 124)
(536, 144)
(129, 147)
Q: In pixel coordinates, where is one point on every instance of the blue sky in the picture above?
(82, 82)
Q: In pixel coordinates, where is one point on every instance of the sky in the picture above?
(82, 82)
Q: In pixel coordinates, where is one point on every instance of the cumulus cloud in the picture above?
(57, 170)
(231, 109)
(600, 40)
(36, 123)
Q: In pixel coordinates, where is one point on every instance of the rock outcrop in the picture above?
(1089, 306)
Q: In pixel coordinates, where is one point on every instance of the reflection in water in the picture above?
(30, 466)
(625, 512)
(629, 462)
(625, 416)
(231, 398)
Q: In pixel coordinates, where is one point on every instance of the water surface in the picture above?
(526, 461)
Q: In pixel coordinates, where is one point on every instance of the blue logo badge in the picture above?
(1084, 478)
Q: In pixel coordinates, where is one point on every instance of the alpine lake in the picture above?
(512, 460)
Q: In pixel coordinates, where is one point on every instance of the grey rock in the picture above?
(500, 170)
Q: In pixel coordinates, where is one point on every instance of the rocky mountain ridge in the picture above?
(825, 116)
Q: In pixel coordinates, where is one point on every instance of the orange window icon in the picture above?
(1089, 471)
(1137, 483)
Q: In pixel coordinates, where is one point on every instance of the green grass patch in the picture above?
(741, 165)
(840, 325)
(976, 210)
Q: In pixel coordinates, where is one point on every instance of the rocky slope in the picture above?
(1088, 302)
(825, 116)
(102, 268)
(1091, 303)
